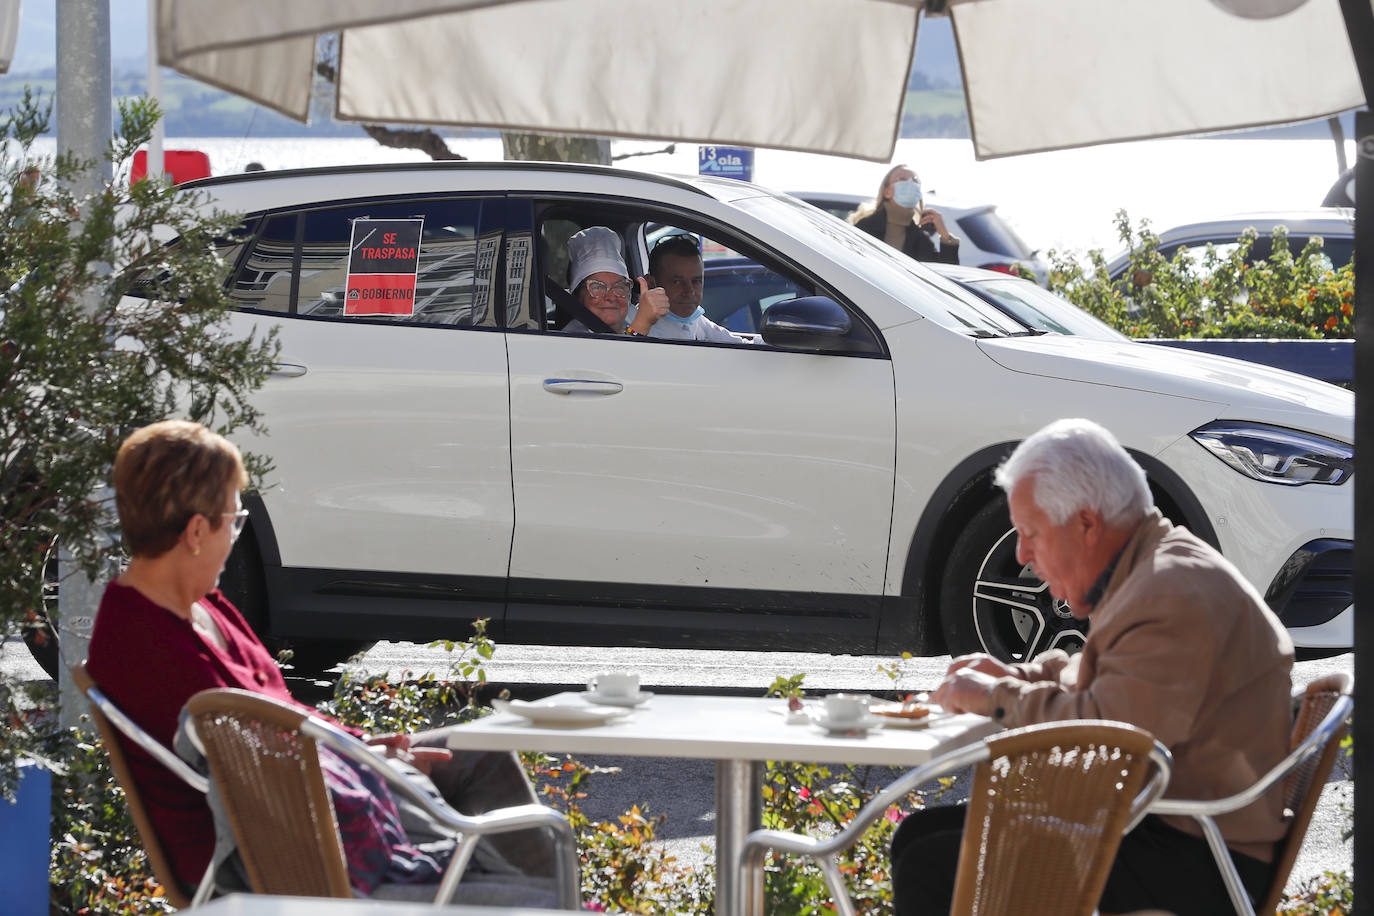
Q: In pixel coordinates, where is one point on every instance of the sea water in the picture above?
(1064, 200)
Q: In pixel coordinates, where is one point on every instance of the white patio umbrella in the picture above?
(824, 76)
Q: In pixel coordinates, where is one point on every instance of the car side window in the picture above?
(418, 262)
(264, 280)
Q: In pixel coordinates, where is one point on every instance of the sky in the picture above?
(36, 48)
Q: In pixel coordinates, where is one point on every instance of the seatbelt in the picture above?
(574, 307)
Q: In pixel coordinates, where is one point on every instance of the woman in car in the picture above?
(896, 216)
(165, 632)
(600, 282)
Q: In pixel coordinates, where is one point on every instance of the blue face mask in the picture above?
(907, 194)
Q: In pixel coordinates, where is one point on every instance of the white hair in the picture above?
(1076, 464)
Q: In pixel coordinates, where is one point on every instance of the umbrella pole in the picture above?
(1359, 24)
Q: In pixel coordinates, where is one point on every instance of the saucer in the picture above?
(634, 699)
(553, 712)
(847, 726)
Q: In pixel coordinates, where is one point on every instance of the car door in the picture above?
(388, 430)
(682, 492)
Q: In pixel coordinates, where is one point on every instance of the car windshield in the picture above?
(1042, 309)
(921, 290)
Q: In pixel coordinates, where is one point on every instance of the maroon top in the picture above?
(150, 662)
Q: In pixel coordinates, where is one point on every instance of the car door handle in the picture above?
(581, 386)
(289, 370)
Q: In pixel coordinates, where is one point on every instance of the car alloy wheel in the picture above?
(991, 603)
(1013, 611)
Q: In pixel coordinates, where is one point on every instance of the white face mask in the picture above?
(907, 194)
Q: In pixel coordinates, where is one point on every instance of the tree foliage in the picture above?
(104, 327)
(1219, 293)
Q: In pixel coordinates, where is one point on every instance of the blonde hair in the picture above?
(167, 473)
(868, 208)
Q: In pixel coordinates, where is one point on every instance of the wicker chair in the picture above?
(1323, 713)
(263, 759)
(1047, 809)
(114, 724)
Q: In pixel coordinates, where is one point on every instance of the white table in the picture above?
(739, 733)
(269, 905)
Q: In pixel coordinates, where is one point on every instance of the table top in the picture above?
(265, 905)
(719, 728)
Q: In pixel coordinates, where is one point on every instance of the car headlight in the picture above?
(1276, 455)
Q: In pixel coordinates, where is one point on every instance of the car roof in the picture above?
(684, 182)
(1318, 220)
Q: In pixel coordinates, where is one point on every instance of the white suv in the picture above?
(826, 488)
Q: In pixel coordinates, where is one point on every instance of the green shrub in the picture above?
(79, 368)
(1214, 294)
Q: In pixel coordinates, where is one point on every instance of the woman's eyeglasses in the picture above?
(598, 290)
(240, 518)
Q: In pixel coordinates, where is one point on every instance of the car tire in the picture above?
(39, 634)
(991, 603)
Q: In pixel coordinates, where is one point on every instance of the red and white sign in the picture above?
(383, 258)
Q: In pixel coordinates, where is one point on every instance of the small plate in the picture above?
(629, 702)
(900, 722)
(893, 721)
(549, 713)
(848, 727)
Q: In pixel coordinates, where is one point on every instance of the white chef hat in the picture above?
(594, 250)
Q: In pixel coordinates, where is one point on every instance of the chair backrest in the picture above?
(1302, 788)
(112, 724)
(269, 781)
(1045, 816)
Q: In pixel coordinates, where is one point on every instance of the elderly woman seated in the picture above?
(165, 632)
(601, 284)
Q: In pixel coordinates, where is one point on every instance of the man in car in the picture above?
(675, 265)
(1180, 645)
(600, 283)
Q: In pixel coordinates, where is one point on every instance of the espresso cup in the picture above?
(845, 707)
(614, 684)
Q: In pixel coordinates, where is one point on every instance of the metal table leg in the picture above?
(739, 809)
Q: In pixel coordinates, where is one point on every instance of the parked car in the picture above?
(452, 454)
(1334, 225)
(985, 239)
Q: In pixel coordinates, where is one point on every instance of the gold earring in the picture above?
(195, 551)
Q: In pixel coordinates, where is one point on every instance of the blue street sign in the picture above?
(726, 162)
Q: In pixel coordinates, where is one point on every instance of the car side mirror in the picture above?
(810, 323)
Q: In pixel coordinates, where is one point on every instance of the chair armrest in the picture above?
(1338, 713)
(468, 826)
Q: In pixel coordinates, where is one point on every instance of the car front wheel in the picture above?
(991, 603)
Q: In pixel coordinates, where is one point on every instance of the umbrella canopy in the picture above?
(1051, 74)
(815, 75)
(824, 76)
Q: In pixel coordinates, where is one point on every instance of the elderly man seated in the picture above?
(1180, 644)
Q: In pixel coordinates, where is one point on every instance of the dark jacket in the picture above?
(918, 244)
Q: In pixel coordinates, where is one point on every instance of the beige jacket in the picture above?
(1183, 646)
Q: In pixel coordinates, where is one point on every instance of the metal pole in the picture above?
(84, 125)
(1359, 27)
(155, 157)
(739, 809)
(1363, 775)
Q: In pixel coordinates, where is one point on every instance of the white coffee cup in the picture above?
(614, 684)
(842, 708)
